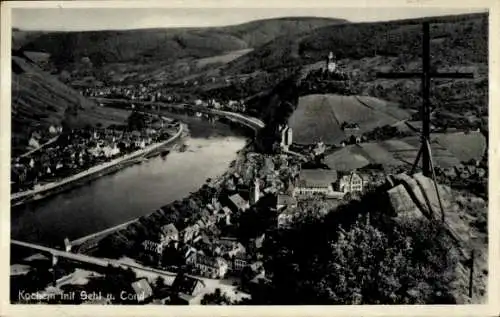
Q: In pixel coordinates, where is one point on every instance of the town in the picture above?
(78, 150)
(322, 192)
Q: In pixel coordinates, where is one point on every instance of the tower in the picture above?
(255, 192)
(67, 245)
(286, 137)
(331, 65)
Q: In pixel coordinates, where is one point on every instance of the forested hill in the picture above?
(165, 44)
(40, 100)
(458, 43)
(456, 39)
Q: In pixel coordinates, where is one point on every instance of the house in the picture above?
(255, 192)
(319, 149)
(212, 267)
(286, 218)
(169, 233)
(286, 137)
(472, 169)
(52, 130)
(142, 289)
(259, 241)
(153, 246)
(224, 214)
(207, 218)
(285, 202)
(268, 166)
(237, 203)
(190, 233)
(465, 174)
(450, 172)
(239, 263)
(351, 182)
(481, 172)
(188, 288)
(237, 250)
(315, 182)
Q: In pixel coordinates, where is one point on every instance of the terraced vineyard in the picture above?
(321, 116)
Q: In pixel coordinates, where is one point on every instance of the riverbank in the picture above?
(90, 243)
(92, 173)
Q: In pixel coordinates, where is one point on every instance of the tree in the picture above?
(136, 121)
(359, 263)
(159, 283)
(216, 298)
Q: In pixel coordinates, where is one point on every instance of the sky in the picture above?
(78, 19)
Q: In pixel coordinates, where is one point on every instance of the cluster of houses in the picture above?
(141, 92)
(207, 253)
(78, 150)
(229, 105)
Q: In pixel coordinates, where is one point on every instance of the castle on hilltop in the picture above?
(331, 63)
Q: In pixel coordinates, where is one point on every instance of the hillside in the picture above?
(359, 40)
(448, 150)
(40, 100)
(321, 116)
(458, 43)
(167, 44)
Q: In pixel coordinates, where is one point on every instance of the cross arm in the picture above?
(419, 75)
(452, 75)
(399, 75)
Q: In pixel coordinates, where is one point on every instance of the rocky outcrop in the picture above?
(415, 197)
(417, 192)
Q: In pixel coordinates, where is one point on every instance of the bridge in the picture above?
(140, 271)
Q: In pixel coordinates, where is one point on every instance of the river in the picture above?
(132, 192)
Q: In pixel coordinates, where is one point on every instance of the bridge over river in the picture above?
(141, 271)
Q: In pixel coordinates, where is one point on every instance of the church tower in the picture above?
(255, 192)
(331, 64)
(286, 137)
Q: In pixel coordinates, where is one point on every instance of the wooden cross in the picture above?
(426, 75)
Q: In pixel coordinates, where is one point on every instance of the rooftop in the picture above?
(186, 284)
(169, 229)
(142, 287)
(286, 200)
(238, 201)
(317, 177)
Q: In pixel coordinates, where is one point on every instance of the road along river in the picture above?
(132, 192)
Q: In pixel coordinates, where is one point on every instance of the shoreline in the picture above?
(78, 179)
(90, 241)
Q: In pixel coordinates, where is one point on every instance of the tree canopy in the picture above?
(320, 262)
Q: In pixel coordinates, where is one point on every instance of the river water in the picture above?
(132, 192)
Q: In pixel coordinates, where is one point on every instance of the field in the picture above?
(448, 150)
(464, 146)
(321, 116)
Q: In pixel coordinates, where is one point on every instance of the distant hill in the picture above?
(20, 37)
(169, 43)
(466, 34)
(458, 43)
(321, 116)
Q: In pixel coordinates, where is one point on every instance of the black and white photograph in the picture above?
(248, 156)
